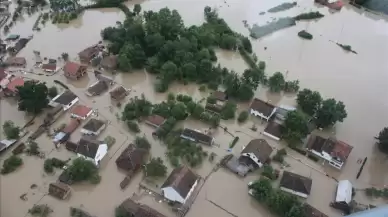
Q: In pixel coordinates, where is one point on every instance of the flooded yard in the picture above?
(359, 81)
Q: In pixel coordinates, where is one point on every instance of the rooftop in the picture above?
(2, 74)
(72, 68)
(88, 147)
(118, 93)
(16, 82)
(93, 125)
(296, 182)
(58, 189)
(263, 107)
(332, 146)
(181, 179)
(74, 123)
(275, 129)
(98, 87)
(218, 95)
(65, 98)
(197, 135)
(49, 66)
(81, 110)
(260, 148)
(16, 61)
(155, 120)
(131, 158)
(109, 62)
(134, 209)
(89, 52)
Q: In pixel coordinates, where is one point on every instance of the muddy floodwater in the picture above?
(360, 81)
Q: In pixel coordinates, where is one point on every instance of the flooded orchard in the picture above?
(359, 81)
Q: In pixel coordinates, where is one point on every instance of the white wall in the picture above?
(170, 194)
(101, 152)
(271, 136)
(294, 192)
(254, 158)
(256, 113)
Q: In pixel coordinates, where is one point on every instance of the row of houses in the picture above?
(332, 150)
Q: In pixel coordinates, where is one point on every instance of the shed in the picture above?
(59, 190)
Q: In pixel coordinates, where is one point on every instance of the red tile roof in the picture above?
(155, 120)
(15, 83)
(71, 68)
(49, 66)
(81, 110)
(341, 150)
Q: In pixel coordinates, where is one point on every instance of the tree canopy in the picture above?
(295, 128)
(155, 168)
(309, 101)
(382, 140)
(33, 97)
(10, 130)
(159, 42)
(276, 82)
(83, 170)
(330, 112)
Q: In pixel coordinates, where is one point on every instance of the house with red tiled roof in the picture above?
(74, 70)
(49, 67)
(336, 152)
(11, 88)
(81, 112)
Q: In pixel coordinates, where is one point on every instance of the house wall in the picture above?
(254, 158)
(68, 106)
(80, 117)
(326, 156)
(188, 138)
(271, 136)
(170, 194)
(101, 152)
(294, 192)
(83, 131)
(257, 113)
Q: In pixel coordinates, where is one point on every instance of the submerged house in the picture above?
(92, 149)
(296, 184)
(180, 184)
(67, 99)
(109, 62)
(88, 53)
(49, 67)
(97, 88)
(343, 196)
(310, 211)
(74, 70)
(59, 190)
(11, 88)
(334, 151)
(256, 153)
(132, 158)
(16, 61)
(155, 120)
(65, 133)
(134, 209)
(274, 130)
(118, 93)
(197, 136)
(81, 112)
(262, 109)
(93, 127)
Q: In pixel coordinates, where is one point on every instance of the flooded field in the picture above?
(359, 81)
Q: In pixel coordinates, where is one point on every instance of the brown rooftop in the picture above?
(59, 190)
(88, 146)
(310, 211)
(260, 148)
(275, 129)
(16, 61)
(296, 182)
(98, 88)
(332, 146)
(132, 158)
(94, 125)
(218, 95)
(181, 180)
(72, 68)
(49, 66)
(88, 53)
(134, 209)
(155, 120)
(118, 93)
(263, 107)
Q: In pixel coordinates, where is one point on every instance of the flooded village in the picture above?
(156, 140)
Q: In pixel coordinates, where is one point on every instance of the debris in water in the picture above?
(282, 23)
(305, 35)
(309, 16)
(282, 7)
(262, 13)
(345, 47)
(23, 196)
(33, 186)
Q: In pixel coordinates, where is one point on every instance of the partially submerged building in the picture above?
(92, 149)
(256, 153)
(132, 158)
(262, 109)
(97, 88)
(81, 112)
(11, 88)
(49, 67)
(109, 62)
(59, 190)
(118, 93)
(296, 184)
(16, 61)
(88, 53)
(334, 151)
(6, 143)
(273, 130)
(310, 211)
(67, 99)
(93, 127)
(131, 208)
(180, 184)
(197, 136)
(64, 134)
(74, 71)
(155, 120)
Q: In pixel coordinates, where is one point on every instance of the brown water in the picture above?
(358, 80)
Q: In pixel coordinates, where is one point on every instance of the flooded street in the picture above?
(360, 81)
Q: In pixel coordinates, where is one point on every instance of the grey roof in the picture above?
(93, 125)
(296, 182)
(260, 148)
(263, 107)
(66, 97)
(88, 147)
(131, 158)
(181, 180)
(197, 136)
(381, 211)
(273, 128)
(98, 87)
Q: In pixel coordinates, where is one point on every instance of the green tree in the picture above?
(65, 56)
(243, 116)
(142, 142)
(52, 92)
(296, 210)
(33, 97)
(11, 164)
(228, 110)
(382, 140)
(123, 62)
(155, 168)
(137, 9)
(276, 82)
(178, 111)
(309, 101)
(10, 130)
(169, 71)
(262, 189)
(82, 170)
(133, 126)
(246, 44)
(330, 112)
(33, 148)
(295, 128)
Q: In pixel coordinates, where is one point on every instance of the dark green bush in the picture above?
(235, 140)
